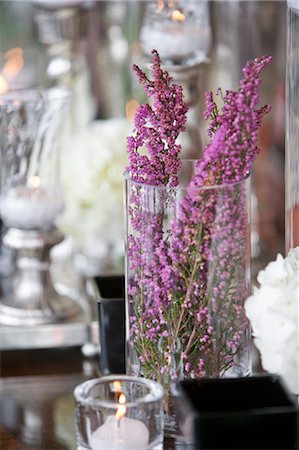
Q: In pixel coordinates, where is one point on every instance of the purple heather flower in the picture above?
(157, 128)
(230, 154)
(184, 274)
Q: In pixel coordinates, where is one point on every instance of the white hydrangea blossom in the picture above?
(92, 170)
(273, 313)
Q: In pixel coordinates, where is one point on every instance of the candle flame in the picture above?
(12, 52)
(122, 399)
(177, 15)
(3, 85)
(121, 410)
(34, 181)
(14, 62)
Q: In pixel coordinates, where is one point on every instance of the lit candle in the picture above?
(30, 207)
(175, 36)
(120, 432)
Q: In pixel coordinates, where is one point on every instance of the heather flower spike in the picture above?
(157, 128)
(233, 129)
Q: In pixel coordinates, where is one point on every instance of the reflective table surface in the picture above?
(37, 409)
(37, 405)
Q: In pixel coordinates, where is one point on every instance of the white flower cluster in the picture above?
(92, 175)
(273, 313)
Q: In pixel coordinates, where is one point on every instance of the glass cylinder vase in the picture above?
(187, 277)
(292, 127)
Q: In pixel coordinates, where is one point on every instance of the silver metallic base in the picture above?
(34, 300)
(67, 334)
(61, 309)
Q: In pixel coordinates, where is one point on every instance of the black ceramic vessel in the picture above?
(111, 314)
(237, 413)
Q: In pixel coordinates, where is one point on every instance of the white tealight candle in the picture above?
(105, 420)
(30, 207)
(124, 433)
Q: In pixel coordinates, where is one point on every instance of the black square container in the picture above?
(237, 413)
(111, 314)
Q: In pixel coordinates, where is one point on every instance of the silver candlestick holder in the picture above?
(190, 78)
(31, 200)
(61, 27)
(34, 300)
(181, 33)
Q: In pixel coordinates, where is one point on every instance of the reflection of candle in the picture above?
(120, 432)
(30, 207)
(175, 36)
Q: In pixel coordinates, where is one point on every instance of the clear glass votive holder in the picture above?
(119, 412)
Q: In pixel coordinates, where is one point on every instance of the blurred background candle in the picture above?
(33, 123)
(178, 30)
(31, 206)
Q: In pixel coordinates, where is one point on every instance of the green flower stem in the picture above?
(190, 281)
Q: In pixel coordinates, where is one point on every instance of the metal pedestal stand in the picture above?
(34, 300)
(190, 78)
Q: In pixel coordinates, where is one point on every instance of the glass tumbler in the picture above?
(119, 412)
